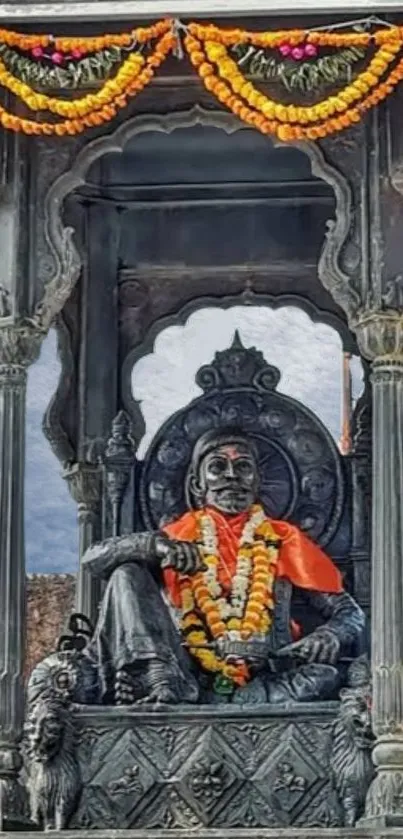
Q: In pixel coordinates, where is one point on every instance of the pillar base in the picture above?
(384, 802)
(14, 808)
(380, 822)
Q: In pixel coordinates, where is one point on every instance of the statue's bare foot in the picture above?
(161, 695)
(126, 688)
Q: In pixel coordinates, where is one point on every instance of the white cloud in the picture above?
(50, 512)
(309, 356)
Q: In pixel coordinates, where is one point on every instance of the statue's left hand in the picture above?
(322, 646)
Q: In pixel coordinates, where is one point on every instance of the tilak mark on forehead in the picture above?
(231, 451)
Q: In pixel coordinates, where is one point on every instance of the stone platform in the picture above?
(252, 833)
(194, 767)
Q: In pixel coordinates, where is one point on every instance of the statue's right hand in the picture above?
(184, 557)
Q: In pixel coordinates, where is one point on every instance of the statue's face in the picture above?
(228, 478)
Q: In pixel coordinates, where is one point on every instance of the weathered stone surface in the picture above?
(49, 603)
(204, 767)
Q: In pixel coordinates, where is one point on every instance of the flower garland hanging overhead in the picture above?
(207, 47)
(262, 77)
(135, 72)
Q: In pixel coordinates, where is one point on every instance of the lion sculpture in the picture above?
(352, 767)
(54, 781)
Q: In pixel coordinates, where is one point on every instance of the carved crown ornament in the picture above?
(238, 366)
(344, 72)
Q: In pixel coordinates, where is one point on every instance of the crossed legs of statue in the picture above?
(142, 659)
(137, 645)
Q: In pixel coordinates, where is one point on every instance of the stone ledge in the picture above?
(101, 714)
(247, 833)
(114, 10)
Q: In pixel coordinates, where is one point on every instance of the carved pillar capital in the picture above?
(380, 336)
(20, 341)
(84, 482)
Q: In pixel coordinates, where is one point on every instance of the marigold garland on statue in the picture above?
(208, 615)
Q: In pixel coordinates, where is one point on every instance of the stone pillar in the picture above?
(19, 346)
(84, 481)
(380, 335)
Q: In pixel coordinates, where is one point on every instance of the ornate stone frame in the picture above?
(59, 237)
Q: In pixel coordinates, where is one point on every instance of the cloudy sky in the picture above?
(308, 356)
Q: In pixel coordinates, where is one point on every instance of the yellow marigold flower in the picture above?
(247, 90)
(370, 78)
(190, 620)
(234, 623)
(391, 48)
(268, 109)
(196, 637)
(215, 51)
(281, 112)
(379, 65)
(253, 610)
(362, 87)
(257, 597)
(237, 84)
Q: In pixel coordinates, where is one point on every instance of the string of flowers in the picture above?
(293, 122)
(219, 56)
(208, 615)
(93, 109)
(294, 37)
(87, 44)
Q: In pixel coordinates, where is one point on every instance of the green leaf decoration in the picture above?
(41, 75)
(304, 77)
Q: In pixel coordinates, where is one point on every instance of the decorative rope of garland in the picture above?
(93, 109)
(291, 122)
(88, 44)
(210, 50)
(295, 37)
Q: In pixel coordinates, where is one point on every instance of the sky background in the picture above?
(307, 354)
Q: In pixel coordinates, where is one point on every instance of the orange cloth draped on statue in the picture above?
(301, 562)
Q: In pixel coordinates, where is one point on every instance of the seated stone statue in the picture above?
(201, 611)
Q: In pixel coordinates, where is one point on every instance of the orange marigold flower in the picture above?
(205, 70)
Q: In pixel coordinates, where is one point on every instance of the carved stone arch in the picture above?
(59, 237)
(181, 317)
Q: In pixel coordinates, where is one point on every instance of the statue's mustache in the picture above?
(231, 483)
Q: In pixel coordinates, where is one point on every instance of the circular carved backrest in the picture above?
(301, 474)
